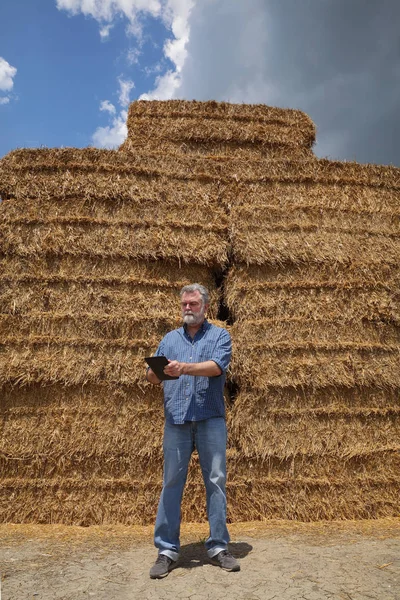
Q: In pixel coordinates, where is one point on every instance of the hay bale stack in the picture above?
(93, 252)
(314, 293)
(94, 246)
(211, 128)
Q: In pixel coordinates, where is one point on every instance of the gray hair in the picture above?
(196, 287)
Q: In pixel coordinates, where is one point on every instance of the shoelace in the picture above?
(162, 558)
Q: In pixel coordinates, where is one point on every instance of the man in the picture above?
(199, 354)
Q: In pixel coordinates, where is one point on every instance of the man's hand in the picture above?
(208, 368)
(174, 368)
(152, 377)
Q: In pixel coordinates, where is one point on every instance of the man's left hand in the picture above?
(174, 368)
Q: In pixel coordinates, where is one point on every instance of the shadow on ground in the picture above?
(195, 555)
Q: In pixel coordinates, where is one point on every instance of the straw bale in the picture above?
(334, 430)
(232, 148)
(72, 361)
(72, 208)
(224, 137)
(186, 242)
(85, 325)
(217, 129)
(357, 498)
(222, 110)
(101, 501)
(318, 352)
(296, 332)
(315, 221)
(269, 217)
(68, 285)
(47, 359)
(379, 462)
(317, 364)
(51, 459)
(88, 320)
(55, 425)
(330, 398)
(366, 193)
(278, 247)
(184, 204)
(149, 242)
(109, 432)
(331, 291)
(91, 173)
(77, 501)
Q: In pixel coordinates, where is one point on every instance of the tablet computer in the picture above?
(157, 364)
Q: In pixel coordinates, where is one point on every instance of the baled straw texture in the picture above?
(102, 431)
(101, 501)
(149, 218)
(336, 431)
(50, 286)
(91, 173)
(298, 352)
(75, 321)
(82, 431)
(331, 291)
(309, 500)
(314, 223)
(65, 195)
(212, 128)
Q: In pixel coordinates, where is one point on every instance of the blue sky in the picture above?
(69, 68)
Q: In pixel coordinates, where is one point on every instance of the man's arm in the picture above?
(208, 368)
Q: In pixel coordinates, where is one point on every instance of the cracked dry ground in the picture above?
(281, 560)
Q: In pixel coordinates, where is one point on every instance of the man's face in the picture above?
(193, 309)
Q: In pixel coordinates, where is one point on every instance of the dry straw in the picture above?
(208, 128)
(78, 502)
(94, 247)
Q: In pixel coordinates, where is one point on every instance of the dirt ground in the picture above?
(280, 560)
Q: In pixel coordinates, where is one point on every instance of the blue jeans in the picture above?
(209, 438)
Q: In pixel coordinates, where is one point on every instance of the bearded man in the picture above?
(198, 354)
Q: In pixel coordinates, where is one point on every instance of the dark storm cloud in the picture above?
(338, 60)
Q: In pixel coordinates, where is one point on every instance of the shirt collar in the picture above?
(204, 326)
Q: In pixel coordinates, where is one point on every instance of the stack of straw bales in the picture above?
(94, 247)
(93, 250)
(211, 128)
(314, 293)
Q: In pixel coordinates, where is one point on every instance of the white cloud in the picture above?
(133, 55)
(112, 135)
(108, 107)
(106, 11)
(165, 88)
(7, 74)
(125, 88)
(174, 14)
(115, 133)
(105, 31)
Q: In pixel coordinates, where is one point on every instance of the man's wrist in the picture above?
(184, 367)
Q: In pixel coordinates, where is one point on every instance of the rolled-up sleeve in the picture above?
(222, 351)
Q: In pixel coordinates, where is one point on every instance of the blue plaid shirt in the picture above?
(197, 398)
